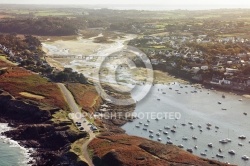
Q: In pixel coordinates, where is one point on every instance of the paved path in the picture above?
(84, 123)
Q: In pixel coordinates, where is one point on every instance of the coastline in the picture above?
(27, 152)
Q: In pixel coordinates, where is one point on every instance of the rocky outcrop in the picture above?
(21, 111)
(34, 129)
(52, 144)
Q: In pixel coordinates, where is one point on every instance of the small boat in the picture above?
(195, 147)
(158, 134)
(199, 126)
(159, 139)
(240, 99)
(228, 140)
(209, 124)
(185, 138)
(195, 138)
(167, 127)
(224, 109)
(245, 157)
(164, 132)
(137, 126)
(168, 137)
(146, 125)
(216, 127)
(151, 136)
(158, 99)
(174, 126)
(151, 131)
(190, 123)
(160, 130)
(145, 129)
(220, 150)
(169, 142)
(173, 131)
(180, 146)
(240, 144)
(242, 137)
(232, 152)
(203, 154)
(164, 93)
(223, 96)
(190, 150)
(223, 141)
(192, 127)
(208, 128)
(140, 122)
(183, 124)
(157, 119)
(245, 113)
(170, 88)
(148, 120)
(201, 130)
(210, 145)
(219, 155)
(219, 102)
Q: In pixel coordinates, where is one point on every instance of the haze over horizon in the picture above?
(131, 4)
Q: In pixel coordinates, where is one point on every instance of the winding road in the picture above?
(76, 109)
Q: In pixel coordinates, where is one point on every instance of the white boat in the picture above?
(223, 141)
(151, 131)
(199, 126)
(203, 154)
(219, 102)
(192, 127)
(210, 145)
(151, 135)
(242, 137)
(180, 146)
(196, 147)
(174, 126)
(240, 99)
(137, 126)
(165, 132)
(168, 137)
(148, 120)
(167, 127)
(158, 134)
(219, 155)
(140, 122)
(145, 124)
(228, 140)
(169, 142)
(160, 130)
(190, 123)
(240, 144)
(159, 139)
(245, 157)
(232, 152)
(194, 137)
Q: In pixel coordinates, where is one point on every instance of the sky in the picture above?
(182, 4)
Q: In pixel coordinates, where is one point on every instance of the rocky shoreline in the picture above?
(33, 128)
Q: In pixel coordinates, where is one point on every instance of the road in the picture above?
(84, 123)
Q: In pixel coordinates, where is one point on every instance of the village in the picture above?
(218, 61)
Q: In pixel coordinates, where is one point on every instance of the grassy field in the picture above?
(17, 80)
(85, 95)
